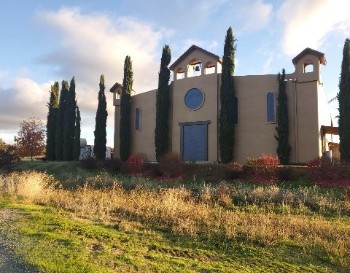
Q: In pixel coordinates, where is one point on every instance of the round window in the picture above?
(194, 99)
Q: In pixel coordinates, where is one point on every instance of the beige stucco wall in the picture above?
(142, 141)
(324, 117)
(208, 112)
(307, 122)
(311, 110)
(254, 136)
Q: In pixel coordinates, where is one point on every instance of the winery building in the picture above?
(195, 105)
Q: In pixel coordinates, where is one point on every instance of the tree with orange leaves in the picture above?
(31, 138)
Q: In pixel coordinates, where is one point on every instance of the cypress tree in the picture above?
(101, 123)
(69, 123)
(161, 135)
(227, 95)
(344, 104)
(76, 148)
(282, 128)
(60, 121)
(125, 108)
(51, 122)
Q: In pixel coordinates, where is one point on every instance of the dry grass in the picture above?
(29, 185)
(262, 215)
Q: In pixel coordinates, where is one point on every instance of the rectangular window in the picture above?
(235, 113)
(138, 119)
(271, 108)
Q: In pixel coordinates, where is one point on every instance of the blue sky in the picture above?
(47, 41)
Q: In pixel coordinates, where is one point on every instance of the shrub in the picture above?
(113, 165)
(8, 157)
(171, 166)
(329, 173)
(135, 164)
(292, 173)
(210, 172)
(89, 163)
(152, 169)
(264, 168)
(234, 170)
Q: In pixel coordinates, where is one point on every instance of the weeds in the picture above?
(263, 215)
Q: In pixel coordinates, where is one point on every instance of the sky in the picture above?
(54, 40)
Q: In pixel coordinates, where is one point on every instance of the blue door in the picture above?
(195, 142)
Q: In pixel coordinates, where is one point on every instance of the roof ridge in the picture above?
(189, 50)
(309, 50)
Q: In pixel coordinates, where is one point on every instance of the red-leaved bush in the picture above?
(171, 166)
(328, 173)
(135, 164)
(264, 168)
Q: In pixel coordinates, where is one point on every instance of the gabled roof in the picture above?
(311, 51)
(115, 86)
(329, 130)
(189, 51)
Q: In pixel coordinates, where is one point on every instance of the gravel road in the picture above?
(9, 263)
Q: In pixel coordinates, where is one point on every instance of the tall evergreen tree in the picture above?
(161, 136)
(344, 104)
(101, 123)
(282, 128)
(51, 122)
(69, 123)
(76, 149)
(227, 95)
(60, 121)
(125, 108)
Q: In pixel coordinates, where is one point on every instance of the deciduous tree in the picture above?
(31, 137)
(227, 95)
(125, 108)
(161, 135)
(101, 123)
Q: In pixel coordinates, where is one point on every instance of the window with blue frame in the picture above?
(235, 113)
(194, 99)
(271, 108)
(138, 119)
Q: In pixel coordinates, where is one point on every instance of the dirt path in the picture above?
(9, 263)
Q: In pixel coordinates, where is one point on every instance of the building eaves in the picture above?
(189, 51)
(115, 86)
(311, 51)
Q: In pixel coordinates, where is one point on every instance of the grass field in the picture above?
(123, 224)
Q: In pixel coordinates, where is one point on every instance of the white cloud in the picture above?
(22, 99)
(31, 93)
(92, 44)
(308, 23)
(254, 14)
(88, 45)
(3, 74)
(85, 46)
